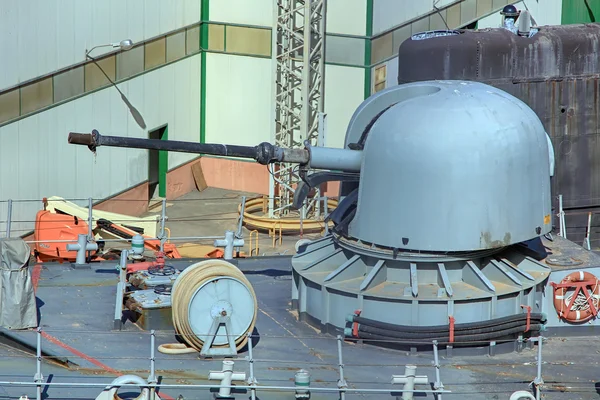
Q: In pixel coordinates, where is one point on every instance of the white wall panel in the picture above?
(390, 13)
(545, 12)
(238, 99)
(391, 78)
(250, 12)
(344, 91)
(36, 161)
(41, 36)
(347, 16)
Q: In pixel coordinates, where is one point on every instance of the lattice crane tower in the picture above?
(298, 95)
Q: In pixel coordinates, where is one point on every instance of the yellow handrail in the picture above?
(250, 244)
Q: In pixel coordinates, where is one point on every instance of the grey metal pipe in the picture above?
(241, 221)
(81, 248)
(38, 375)
(163, 216)
(438, 381)
(90, 219)
(251, 378)
(538, 379)
(121, 285)
(152, 376)
(342, 382)
(129, 240)
(8, 218)
(336, 159)
(241, 387)
(229, 243)
(264, 153)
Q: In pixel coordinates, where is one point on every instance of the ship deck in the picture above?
(76, 308)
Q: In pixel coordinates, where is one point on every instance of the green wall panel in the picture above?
(580, 11)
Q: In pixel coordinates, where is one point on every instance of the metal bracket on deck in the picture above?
(207, 349)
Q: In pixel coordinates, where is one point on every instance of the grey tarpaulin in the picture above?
(17, 298)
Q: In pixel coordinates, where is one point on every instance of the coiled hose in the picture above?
(457, 338)
(444, 328)
(185, 287)
(466, 332)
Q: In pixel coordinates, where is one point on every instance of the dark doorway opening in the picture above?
(157, 165)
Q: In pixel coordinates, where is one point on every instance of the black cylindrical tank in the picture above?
(555, 72)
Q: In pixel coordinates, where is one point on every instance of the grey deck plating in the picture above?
(76, 309)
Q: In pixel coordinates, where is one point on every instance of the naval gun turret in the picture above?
(343, 164)
(445, 195)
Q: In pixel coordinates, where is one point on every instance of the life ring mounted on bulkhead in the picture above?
(582, 303)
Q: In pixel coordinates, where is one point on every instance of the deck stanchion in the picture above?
(38, 378)
(90, 220)
(152, 376)
(342, 384)
(436, 362)
(251, 379)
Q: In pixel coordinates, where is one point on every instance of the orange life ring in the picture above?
(581, 281)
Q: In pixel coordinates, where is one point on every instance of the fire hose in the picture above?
(196, 279)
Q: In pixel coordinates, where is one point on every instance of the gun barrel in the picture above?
(264, 153)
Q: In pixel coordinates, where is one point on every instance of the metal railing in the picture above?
(562, 224)
(162, 219)
(250, 380)
(28, 226)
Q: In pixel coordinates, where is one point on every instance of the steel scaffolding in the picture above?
(298, 67)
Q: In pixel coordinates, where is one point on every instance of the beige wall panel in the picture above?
(37, 95)
(248, 40)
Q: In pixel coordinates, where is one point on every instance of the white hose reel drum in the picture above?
(206, 291)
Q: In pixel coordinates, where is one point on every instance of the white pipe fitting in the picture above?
(81, 248)
(302, 381)
(110, 393)
(229, 243)
(522, 395)
(226, 376)
(409, 379)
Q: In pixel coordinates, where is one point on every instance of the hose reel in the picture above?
(213, 309)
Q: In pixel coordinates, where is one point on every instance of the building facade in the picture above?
(199, 70)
